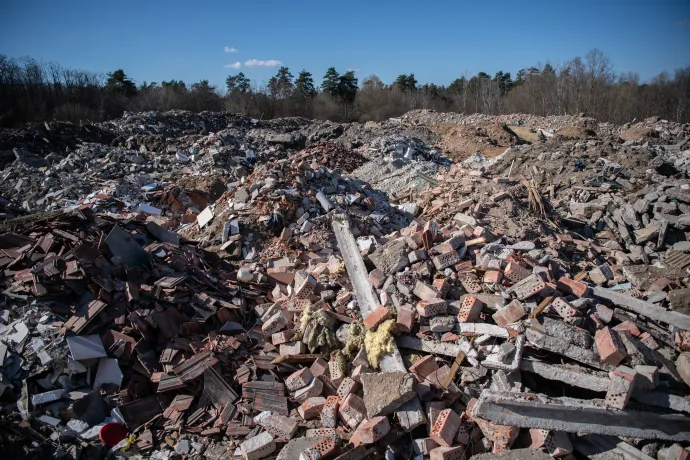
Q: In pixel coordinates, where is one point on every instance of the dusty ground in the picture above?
(461, 141)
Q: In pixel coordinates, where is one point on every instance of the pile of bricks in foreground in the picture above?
(439, 342)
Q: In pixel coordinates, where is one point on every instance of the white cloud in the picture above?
(234, 65)
(258, 63)
(352, 69)
(230, 49)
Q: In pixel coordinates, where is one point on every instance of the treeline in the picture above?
(33, 91)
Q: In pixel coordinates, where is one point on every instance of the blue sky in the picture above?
(438, 40)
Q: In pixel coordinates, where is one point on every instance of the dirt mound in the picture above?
(331, 155)
(213, 185)
(461, 141)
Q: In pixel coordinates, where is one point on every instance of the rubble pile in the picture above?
(219, 287)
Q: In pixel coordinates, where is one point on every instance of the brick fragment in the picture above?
(319, 367)
(621, 387)
(352, 410)
(558, 444)
(298, 379)
(314, 388)
(377, 278)
(275, 323)
(424, 367)
(571, 286)
(471, 283)
(337, 371)
(465, 431)
(371, 431)
(445, 427)
(311, 407)
(647, 377)
(447, 453)
(529, 286)
(423, 446)
(516, 272)
(322, 448)
(417, 256)
(280, 338)
(674, 452)
(509, 314)
(604, 313)
(405, 319)
(281, 427)
(649, 340)
(376, 317)
(329, 412)
(609, 346)
(446, 259)
(260, 446)
(470, 309)
(432, 307)
(292, 348)
(564, 309)
(493, 276)
(424, 292)
(627, 327)
(442, 286)
(306, 289)
(346, 387)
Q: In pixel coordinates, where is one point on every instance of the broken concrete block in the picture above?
(391, 257)
(411, 415)
(609, 346)
(445, 427)
(674, 452)
(387, 391)
(280, 426)
(416, 256)
(441, 323)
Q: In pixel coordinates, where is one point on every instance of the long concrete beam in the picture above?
(576, 415)
(357, 271)
(643, 308)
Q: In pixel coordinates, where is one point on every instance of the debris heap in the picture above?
(303, 310)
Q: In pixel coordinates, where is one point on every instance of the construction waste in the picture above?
(181, 285)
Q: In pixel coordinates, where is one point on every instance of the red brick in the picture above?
(445, 427)
(529, 286)
(424, 292)
(564, 309)
(275, 323)
(337, 372)
(433, 410)
(515, 272)
(627, 327)
(509, 314)
(447, 453)
(371, 431)
(609, 346)
(377, 278)
(493, 276)
(376, 317)
(405, 320)
(649, 340)
(538, 437)
(319, 367)
(442, 287)
(282, 337)
(311, 407)
(432, 307)
(424, 367)
(298, 379)
(352, 410)
(621, 387)
(306, 289)
(558, 444)
(346, 387)
(321, 449)
(571, 286)
(470, 310)
(647, 377)
(329, 412)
